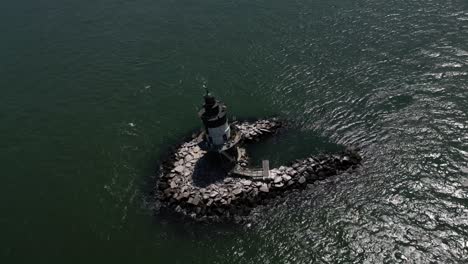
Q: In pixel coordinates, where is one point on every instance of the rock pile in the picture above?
(232, 198)
(253, 131)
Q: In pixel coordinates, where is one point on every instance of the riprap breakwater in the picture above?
(214, 194)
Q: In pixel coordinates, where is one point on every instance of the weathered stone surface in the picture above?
(196, 200)
(264, 188)
(179, 169)
(188, 158)
(228, 180)
(277, 179)
(302, 179)
(237, 191)
(246, 182)
(286, 177)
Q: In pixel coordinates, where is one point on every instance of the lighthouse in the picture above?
(215, 122)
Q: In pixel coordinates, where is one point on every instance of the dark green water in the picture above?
(93, 93)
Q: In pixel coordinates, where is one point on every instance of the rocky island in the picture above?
(208, 178)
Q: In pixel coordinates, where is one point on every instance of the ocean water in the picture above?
(93, 93)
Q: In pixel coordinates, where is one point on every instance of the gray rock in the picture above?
(237, 191)
(264, 188)
(246, 182)
(464, 183)
(279, 185)
(278, 179)
(286, 177)
(196, 200)
(302, 179)
(228, 180)
(188, 158)
(173, 185)
(179, 169)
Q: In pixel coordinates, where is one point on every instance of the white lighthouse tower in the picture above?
(215, 122)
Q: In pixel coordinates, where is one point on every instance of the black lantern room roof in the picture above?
(213, 113)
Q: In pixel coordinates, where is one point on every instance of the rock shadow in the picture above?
(211, 168)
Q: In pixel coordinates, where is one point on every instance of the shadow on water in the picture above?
(211, 168)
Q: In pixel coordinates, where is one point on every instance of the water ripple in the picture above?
(400, 96)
